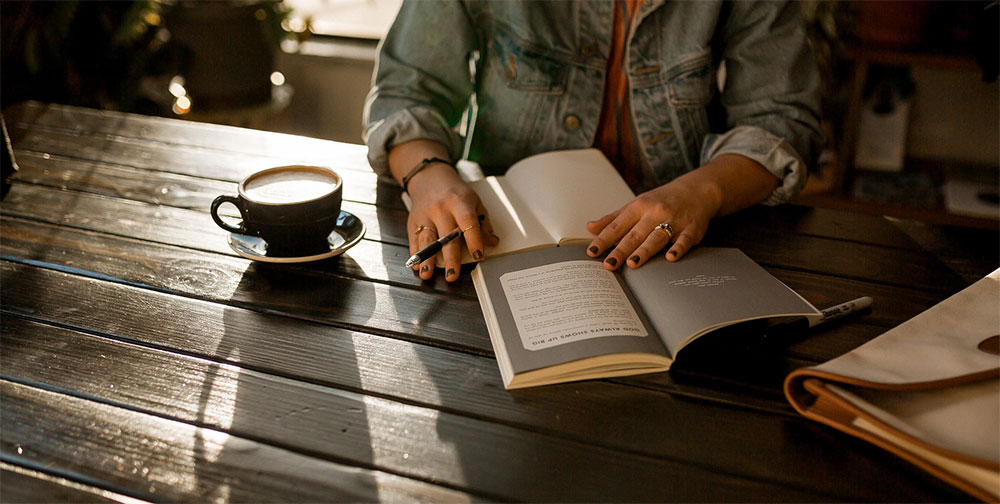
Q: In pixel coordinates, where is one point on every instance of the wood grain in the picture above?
(167, 384)
(166, 460)
(21, 484)
(205, 275)
(143, 357)
(58, 121)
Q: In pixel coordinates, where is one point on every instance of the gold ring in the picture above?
(667, 228)
(422, 227)
(469, 227)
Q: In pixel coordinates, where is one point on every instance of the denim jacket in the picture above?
(533, 73)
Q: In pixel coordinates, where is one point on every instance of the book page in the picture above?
(707, 289)
(512, 220)
(546, 200)
(560, 303)
(500, 312)
(565, 189)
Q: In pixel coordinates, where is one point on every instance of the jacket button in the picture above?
(588, 49)
(572, 122)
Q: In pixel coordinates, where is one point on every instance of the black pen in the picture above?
(840, 311)
(435, 247)
(836, 312)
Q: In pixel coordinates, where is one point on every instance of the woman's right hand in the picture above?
(440, 202)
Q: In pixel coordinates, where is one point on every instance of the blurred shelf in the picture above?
(915, 193)
(918, 191)
(937, 216)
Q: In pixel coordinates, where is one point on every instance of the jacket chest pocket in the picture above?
(691, 83)
(690, 88)
(519, 92)
(522, 67)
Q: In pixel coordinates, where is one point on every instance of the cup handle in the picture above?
(225, 198)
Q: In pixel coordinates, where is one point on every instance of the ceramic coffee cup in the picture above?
(293, 208)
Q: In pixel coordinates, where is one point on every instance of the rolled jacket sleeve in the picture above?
(771, 94)
(422, 81)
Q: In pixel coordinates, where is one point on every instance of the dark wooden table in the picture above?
(141, 357)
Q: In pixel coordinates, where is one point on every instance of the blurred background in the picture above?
(911, 103)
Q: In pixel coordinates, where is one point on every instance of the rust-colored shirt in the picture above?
(614, 130)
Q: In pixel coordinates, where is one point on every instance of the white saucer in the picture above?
(347, 234)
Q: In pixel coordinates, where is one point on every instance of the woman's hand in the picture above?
(683, 206)
(440, 202)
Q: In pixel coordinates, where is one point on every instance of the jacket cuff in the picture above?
(762, 146)
(415, 123)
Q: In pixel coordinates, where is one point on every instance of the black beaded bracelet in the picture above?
(424, 164)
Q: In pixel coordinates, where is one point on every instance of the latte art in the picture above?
(289, 186)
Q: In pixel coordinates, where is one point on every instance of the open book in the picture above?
(545, 200)
(927, 390)
(556, 315)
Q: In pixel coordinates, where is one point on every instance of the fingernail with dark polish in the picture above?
(673, 253)
(612, 261)
(593, 249)
(451, 271)
(634, 259)
(477, 255)
(423, 269)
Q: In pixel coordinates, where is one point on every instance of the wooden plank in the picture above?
(146, 309)
(243, 402)
(403, 313)
(167, 460)
(160, 223)
(158, 134)
(845, 225)
(400, 235)
(87, 250)
(21, 484)
(176, 189)
(820, 222)
(181, 190)
(205, 275)
(972, 253)
(855, 261)
(480, 377)
(905, 268)
(786, 219)
(733, 231)
(153, 266)
(189, 273)
(789, 218)
(435, 378)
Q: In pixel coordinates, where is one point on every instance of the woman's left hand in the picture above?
(684, 206)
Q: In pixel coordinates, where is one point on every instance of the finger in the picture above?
(423, 239)
(490, 239)
(654, 242)
(595, 226)
(685, 241)
(468, 222)
(412, 235)
(451, 253)
(627, 245)
(612, 232)
(596, 247)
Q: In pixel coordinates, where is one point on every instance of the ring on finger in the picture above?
(470, 226)
(422, 227)
(666, 228)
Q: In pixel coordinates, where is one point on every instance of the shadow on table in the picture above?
(260, 388)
